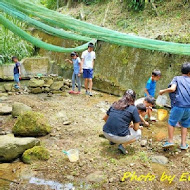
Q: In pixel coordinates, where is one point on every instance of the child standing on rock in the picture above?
(76, 73)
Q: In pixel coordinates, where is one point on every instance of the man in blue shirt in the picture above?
(16, 71)
(180, 100)
(151, 83)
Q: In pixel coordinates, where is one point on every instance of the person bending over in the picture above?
(142, 112)
(118, 119)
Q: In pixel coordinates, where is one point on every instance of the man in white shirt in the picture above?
(88, 58)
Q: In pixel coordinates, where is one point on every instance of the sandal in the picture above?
(168, 144)
(122, 149)
(112, 143)
(71, 92)
(184, 147)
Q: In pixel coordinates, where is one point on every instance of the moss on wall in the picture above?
(118, 67)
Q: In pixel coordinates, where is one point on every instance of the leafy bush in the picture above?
(13, 45)
(135, 5)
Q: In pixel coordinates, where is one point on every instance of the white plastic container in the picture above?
(161, 100)
(73, 155)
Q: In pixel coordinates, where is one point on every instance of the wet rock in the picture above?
(37, 90)
(31, 124)
(36, 83)
(143, 143)
(5, 109)
(12, 147)
(96, 177)
(19, 108)
(8, 86)
(34, 154)
(160, 159)
(56, 85)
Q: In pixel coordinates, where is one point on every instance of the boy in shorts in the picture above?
(88, 58)
(180, 100)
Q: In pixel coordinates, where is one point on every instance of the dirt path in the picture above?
(101, 166)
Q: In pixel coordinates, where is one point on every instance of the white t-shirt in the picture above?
(88, 59)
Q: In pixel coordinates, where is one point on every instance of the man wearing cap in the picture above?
(88, 58)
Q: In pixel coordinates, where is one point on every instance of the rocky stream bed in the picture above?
(76, 122)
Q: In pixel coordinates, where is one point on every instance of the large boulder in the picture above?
(8, 87)
(35, 83)
(5, 109)
(31, 124)
(12, 147)
(34, 154)
(19, 109)
(56, 85)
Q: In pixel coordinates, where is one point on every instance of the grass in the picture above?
(172, 23)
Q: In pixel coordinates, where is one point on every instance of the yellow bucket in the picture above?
(162, 114)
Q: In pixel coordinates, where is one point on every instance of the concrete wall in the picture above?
(29, 68)
(118, 68)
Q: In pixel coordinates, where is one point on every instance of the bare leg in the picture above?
(171, 130)
(86, 84)
(183, 136)
(90, 85)
(129, 142)
(19, 84)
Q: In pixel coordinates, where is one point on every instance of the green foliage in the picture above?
(34, 154)
(135, 5)
(13, 45)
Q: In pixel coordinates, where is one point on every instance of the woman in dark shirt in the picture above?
(118, 119)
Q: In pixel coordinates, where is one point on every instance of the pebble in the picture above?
(143, 143)
(67, 123)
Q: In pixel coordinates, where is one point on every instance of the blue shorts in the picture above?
(88, 73)
(16, 77)
(181, 115)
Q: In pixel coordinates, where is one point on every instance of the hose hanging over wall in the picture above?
(52, 21)
(36, 41)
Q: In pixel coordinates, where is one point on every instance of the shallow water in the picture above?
(52, 184)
